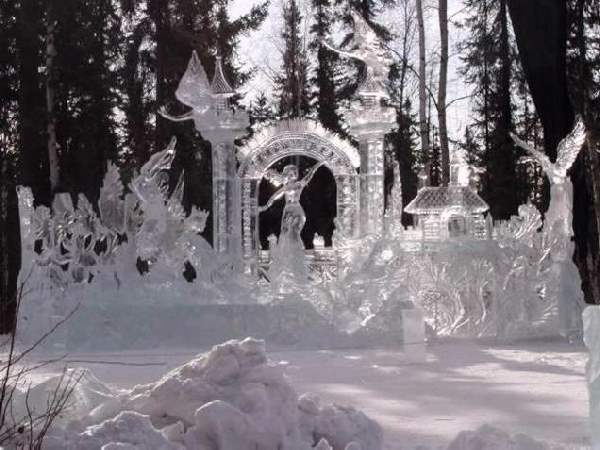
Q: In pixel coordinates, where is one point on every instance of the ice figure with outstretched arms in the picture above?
(287, 258)
(561, 191)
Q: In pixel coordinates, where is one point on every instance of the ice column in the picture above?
(591, 338)
(369, 122)
(221, 126)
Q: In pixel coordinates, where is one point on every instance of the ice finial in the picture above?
(194, 89)
(459, 169)
(220, 86)
(423, 177)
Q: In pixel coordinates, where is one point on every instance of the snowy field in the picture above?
(419, 399)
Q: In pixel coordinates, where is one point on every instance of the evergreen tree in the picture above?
(260, 111)
(87, 43)
(10, 252)
(401, 143)
(31, 143)
(9, 81)
(434, 159)
(583, 65)
(368, 9)
(401, 146)
(324, 78)
(292, 84)
(151, 76)
(488, 67)
(531, 180)
(136, 85)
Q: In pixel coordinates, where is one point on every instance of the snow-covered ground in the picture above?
(419, 399)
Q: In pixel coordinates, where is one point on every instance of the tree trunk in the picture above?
(505, 75)
(158, 13)
(542, 39)
(442, 90)
(33, 145)
(423, 125)
(10, 245)
(53, 163)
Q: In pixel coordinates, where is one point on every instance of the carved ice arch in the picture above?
(291, 138)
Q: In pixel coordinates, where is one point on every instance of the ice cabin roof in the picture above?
(435, 200)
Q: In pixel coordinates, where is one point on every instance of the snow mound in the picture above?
(128, 430)
(230, 398)
(489, 438)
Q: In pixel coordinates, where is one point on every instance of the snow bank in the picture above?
(230, 398)
(490, 438)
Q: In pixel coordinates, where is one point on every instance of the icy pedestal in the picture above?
(413, 328)
(591, 338)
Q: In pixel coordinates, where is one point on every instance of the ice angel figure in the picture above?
(287, 258)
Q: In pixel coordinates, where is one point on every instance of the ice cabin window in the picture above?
(457, 226)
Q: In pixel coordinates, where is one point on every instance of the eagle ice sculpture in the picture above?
(559, 216)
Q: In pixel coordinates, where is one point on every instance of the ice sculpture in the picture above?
(558, 224)
(369, 49)
(288, 266)
(393, 213)
(194, 89)
(467, 280)
(559, 212)
(167, 236)
(591, 338)
(370, 121)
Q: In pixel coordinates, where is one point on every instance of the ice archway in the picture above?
(301, 137)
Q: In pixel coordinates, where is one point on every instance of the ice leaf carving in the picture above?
(111, 203)
(194, 88)
(175, 202)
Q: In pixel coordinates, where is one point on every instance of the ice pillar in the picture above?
(225, 196)
(369, 122)
(591, 337)
(226, 185)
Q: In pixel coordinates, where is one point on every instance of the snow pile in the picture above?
(227, 399)
(490, 438)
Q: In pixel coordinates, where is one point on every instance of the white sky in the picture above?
(261, 50)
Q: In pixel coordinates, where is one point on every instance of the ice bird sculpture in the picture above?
(369, 49)
(561, 190)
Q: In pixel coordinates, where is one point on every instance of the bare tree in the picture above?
(442, 90)
(423, 122)
(29, 429)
